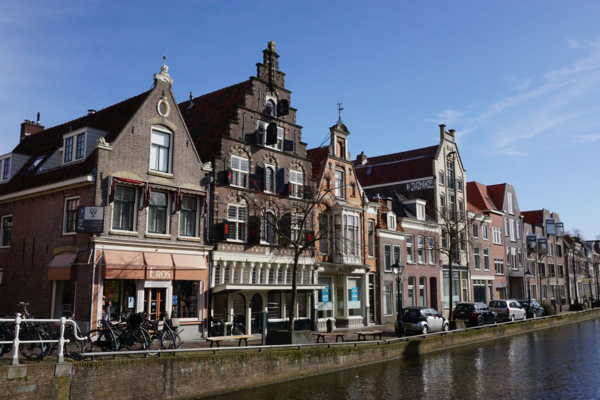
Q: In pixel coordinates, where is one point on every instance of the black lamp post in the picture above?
(527, 276)
(398, 270)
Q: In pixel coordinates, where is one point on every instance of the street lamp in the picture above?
(528, 275)
(398, 270)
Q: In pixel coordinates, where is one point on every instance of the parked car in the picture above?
(508, 310)
(533, 308)
(423, 320)
(474, 314)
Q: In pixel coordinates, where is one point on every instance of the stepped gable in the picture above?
(208, 116)
(397, 167)
(318, 157)
(111, 119)
(535, 217)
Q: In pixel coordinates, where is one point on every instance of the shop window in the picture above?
(185, 299)
(111, 299)
(387, 298)
(325, 306)
(354, 296)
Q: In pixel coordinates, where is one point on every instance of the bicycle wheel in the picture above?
(238, 329)
(74, 348)
(5, 336)
(36, 350)
(135, 339)
(100, 340)
(154, 344)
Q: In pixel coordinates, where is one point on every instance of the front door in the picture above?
(256, 306)
(154, 302)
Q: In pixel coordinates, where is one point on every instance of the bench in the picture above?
(215, 339)
(364, 334)
(240, 338)
(323, 335)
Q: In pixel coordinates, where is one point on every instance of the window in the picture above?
(450, 167)
(323, 233)
(518, 230)
(188, 217)
(510, 203)
(475, 230)
(459, 185)
(391, 221)
(325, 301)
(476, 254)
(486, 259)
(387, 298)
(158, 213)
(269, 231)
(443, 204)
(411, 292)
(452, 205)
(497, 232)
(520, 256)
(68, 150)
(387, 258)
(160, 151)
(506, 228)
(270, 179)
(420, 211)
(339, 184)
(6, 224)
(444, 239)
(441, 178)
(124, 208)
(461, 210)
(421, 249)
(296, 184)
(559, 250)
(499, 266)
(240, 167)
(270, 108)
(371, 237)
(296, 227)
(351, 234)
(550, 249)
(237, 219)
(484, 231)
(422, 291)
(80, 149)
(70, 215)
(397, 255)
(5, 167)
(512, 231)
(409, 250)
(431, 250)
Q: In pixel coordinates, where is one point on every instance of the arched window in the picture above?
(270, 179)
(270, 108)
(269, 230)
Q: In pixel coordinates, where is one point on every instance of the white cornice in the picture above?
(113, 243)
(54, 187)
(388, 234)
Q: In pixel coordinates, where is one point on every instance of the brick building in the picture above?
(131, 165)
(248, 132)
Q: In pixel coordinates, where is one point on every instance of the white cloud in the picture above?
(574, 44)
(517, 83)
(448, 117)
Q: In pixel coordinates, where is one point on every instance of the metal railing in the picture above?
(16, 342)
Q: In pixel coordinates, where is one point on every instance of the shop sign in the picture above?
(175, 299)
(325, 294)
(90, 219)
(157, 284)
(354, 294)
(160, 274)
(420, 185)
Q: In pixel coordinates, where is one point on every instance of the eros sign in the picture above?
(160, 274)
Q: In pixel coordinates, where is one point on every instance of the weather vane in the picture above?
(340, 109)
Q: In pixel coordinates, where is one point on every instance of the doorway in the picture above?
(256, 306)
(155, 302)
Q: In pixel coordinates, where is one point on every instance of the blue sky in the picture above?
(519, 81)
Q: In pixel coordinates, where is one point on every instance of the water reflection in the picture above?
(557, 363)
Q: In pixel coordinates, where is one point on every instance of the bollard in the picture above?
(329, 325)
(15, 356)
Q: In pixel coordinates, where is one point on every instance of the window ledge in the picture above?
(157, 236)
(411, 263)
(161, 174)
(5, 247)
(122, 233)
(69, 233)
(234, 241)
(189, 239)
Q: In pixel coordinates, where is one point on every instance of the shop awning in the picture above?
(189, 261)
(158, 260)
(59, 268)
(124, 264)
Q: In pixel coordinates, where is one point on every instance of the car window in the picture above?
(427, 312)
(514, 304)
(463, 306)
(435, 313)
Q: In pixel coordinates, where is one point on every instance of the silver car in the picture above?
(423, 320)
(508, 310)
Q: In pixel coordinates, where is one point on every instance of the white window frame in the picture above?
(497, 235)
(297, 184)
(512, 230)
(197, 222)
(511, 209)
(262, 135)
(486, 259)
(339, 189)
(65, 217)
(410, 254)
(518, 229)
(167, 212)
(387, 258)
(388, 289)
(234, 222)
(4, 172)
(240, 172)
(475, 230)
(421, 250)
(391, 221)
(2, 219)
(459, 185)
(134, 212)
(484, 231)
(476, 258)
(441, 178)
(158, 146)
(431, 250)
(73, 152)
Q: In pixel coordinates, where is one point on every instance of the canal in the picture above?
(555, 363)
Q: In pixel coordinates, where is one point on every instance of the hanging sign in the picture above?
(325, 294)
(90, 219)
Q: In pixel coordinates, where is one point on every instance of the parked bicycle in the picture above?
(32, 334)
(113, 337)
(164, 334)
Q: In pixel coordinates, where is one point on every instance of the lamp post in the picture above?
(398, 270)
(527, 276)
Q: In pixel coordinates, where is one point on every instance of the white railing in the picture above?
(16, 342)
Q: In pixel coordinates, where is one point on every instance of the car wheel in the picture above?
(425, 330)
(446, 328)
(479, 321)
(512, 318)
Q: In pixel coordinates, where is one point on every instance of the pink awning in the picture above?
(62, 260)
(189, 261)
(123, 258)
(157, 260)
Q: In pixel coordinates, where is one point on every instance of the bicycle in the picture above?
(114, 337)
(163, 334)
(36, 349)
(238, 327)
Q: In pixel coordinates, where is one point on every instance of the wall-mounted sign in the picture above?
(160, 274)
(90, 219)
(425, 184)
(325, 294)
(354, 294)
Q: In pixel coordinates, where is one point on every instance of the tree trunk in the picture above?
(450, 277)
(294, 292)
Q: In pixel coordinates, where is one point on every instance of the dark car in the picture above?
(423, 320)
(474, 314)
(533, 308)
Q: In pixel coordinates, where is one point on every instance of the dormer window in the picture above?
(271, 108)
(74, 148)
(391, 221)
(5, 164)
(420, 211)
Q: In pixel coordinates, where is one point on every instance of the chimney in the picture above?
(29, 128)
(388, 202)
(91, 111)
(361, 159)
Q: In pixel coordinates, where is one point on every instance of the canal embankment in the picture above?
(205, 373)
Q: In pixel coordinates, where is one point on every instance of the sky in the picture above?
(518, 81)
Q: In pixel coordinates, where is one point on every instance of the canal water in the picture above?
(556, 363)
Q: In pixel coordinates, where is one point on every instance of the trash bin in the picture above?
(329, 325)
